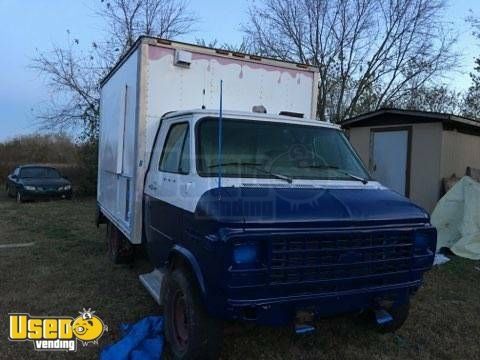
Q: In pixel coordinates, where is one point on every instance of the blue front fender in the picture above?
(195, 267)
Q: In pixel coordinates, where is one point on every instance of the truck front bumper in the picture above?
(282, 310)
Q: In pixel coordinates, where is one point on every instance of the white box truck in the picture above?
(266, 216)
(160, 76)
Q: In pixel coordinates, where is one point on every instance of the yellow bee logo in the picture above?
(88, 327)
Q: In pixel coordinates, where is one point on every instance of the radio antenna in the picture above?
(220, 120)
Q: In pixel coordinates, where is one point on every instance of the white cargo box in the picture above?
(157, 76)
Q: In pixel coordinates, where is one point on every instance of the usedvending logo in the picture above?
(53, 333)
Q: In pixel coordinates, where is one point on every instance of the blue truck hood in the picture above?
(308, 207)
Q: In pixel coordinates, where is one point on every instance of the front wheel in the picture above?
(191, 333)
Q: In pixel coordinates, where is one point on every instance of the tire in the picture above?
(119, 249)
(190, 332)
(399, 314)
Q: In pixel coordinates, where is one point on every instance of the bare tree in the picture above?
(128, 19)
(437, 98)
(72, 77)
(471, 103)
(73, 71)
(243, 47)
(368, 52)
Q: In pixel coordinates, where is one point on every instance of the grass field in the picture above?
(67, 269)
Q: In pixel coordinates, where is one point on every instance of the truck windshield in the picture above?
(265, 149)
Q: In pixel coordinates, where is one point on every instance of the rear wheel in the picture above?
(399, 314)
(190, 332)
(119, 248)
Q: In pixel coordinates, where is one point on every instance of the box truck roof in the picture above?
(152, 40)
(199, 113)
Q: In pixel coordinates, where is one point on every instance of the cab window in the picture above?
(176, 150)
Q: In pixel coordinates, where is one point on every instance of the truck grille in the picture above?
(47, 188)
(336, 261)
(333, 257)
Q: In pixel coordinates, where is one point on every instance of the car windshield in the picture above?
(39, 172)
(276, 150)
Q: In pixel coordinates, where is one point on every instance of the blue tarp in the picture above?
(142, 340)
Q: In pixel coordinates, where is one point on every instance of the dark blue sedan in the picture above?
(30, 182)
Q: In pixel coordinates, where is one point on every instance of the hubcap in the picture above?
(180, 321)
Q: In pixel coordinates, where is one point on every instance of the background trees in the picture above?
(436, 98)
(369, 52)
(73, 73)
(471, 104)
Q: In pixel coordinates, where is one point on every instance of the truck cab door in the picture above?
(166, 189)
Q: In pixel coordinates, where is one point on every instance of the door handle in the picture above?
(186, 187)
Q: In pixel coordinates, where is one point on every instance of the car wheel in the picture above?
(190, 332)
(119, 248)
(8, 189)
(19, 197)
(399, 314)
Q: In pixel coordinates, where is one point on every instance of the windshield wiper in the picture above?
(333, 167)
(255, 166)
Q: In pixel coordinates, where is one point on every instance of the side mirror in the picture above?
(15, 177)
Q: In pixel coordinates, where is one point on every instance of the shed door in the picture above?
(389, 163)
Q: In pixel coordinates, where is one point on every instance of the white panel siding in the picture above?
(117, 143)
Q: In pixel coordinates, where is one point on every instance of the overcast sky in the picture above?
(27, 25)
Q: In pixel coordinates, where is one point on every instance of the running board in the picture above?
(153, 283)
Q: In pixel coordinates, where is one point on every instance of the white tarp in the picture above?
(457, 219)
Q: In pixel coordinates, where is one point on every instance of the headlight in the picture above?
(245, 254)
(67, 187)
(425, 239)
(30, 188)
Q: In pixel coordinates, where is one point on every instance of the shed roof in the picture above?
(383, 117)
